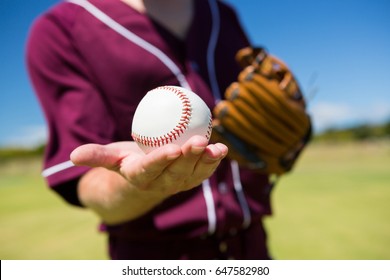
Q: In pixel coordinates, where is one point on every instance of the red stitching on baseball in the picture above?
(209, 129)
(177, 130)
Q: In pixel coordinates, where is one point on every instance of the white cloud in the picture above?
(378, 112)
(26, 137)
(326, 114)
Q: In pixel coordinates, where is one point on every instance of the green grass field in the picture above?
(36, 224)
(335, 205)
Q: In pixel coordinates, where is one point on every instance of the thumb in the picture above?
(95, 155)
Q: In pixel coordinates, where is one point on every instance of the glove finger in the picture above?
(233, 120)
(274, 68)
(250, 56)
(271, 67)
(290, 86)
(271, 86)
(272, 106)
(259, 117)
(268, 92)
(274, 89)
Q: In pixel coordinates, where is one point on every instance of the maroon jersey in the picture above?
(89, 79)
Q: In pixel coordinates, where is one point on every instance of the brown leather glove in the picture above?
(263, 119)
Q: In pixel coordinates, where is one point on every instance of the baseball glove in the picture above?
(262, 119)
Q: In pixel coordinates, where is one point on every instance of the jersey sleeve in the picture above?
(74, 109)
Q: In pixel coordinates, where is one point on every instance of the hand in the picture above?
(166, 170)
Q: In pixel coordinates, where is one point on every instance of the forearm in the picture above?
(113, 198)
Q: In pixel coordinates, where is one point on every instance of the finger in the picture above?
(141, 171)
(191, 152)
(178, 175)
(208, 163)
(214, 153)
(194, 146)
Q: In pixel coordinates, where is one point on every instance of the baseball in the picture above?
(170, 114)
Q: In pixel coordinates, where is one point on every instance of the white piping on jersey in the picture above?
(57, 168)
(134, 38)
(206, 188)
(211, 50)
(217, 97)
(210, 207)
(240, 194)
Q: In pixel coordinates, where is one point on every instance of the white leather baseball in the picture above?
(170, 114)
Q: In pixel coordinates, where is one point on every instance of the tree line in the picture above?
(356, 133)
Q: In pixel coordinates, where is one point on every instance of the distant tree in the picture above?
(386, 128)
(355, 133)
(362, 132)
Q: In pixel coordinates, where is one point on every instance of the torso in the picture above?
(123, 72)
(175, 15)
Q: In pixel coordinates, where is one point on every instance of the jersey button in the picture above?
(233, 232)
(223, 247)
(223, 189)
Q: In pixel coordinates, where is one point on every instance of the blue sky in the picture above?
(339, 51)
